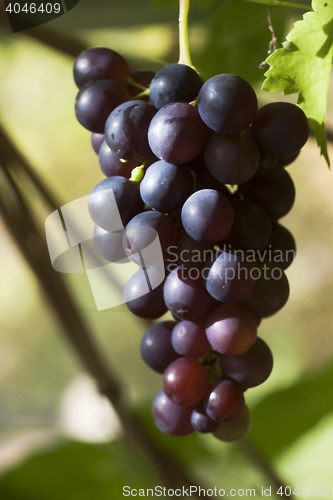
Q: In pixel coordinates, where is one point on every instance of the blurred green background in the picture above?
(58, 438)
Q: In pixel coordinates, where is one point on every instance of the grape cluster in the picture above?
(198, 164)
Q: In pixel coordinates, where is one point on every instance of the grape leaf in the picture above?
(303, 66)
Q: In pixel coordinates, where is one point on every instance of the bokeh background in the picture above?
(58, 438)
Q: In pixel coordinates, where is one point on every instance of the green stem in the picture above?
(144, 93)
(184, 50)
(281, 3)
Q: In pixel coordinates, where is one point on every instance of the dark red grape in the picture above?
(251, 368)
(280, 128)
(141, 298)
(252, 227)
(274, 192)
(102, 209)
(207, 216)
(174, 83)
(227, 103)
(185, 381)
(176, 133)
(224, 400)
(111, 164)
(165, 187)
(235, 429)
(186, 296)
(156, 347)
(171, 418)
(126, 130)
(190, 340)
(96, 100)
(201, 422)
(230, 278)
(231, 158)
(231, 330)
(100, 63)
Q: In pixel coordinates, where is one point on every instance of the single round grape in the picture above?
(281, 248)
(190, 340)
(186, 296)
(96, 100)
(144, 78)
(285, 161)
(231, 158)
(252, 227)
(280, 128)
(250, 369)
(266, 164)
(274, 192)
(98, 64)
(224, 401)
(207, 216)
(174, 83)
(171, 418)
(165, 187)
(231, 330)
(271, 292)
(156, 347)
(111, 164)
(201, 422)
(176, 133)
(150, 305)
(191, 254)
(126, 130)
(141, 232)
(185, 381)
(101, 206)
(96, 141)
(227, 103)
(110, 245)
(230, 278)
(235, 429)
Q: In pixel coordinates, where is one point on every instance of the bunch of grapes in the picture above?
(199, 165)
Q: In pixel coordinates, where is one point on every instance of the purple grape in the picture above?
(230, 278)
(235, 429)
(150, 305)
(207, 216)
(156, 347)
(231, 330)
(250, 369)
(231, 158)
(126, 130)
(227, 103)
(274, 192)
(185, 381)
(98, 64)
(177, 134)
(171, 418)
(280, 128)
(174, 83)
(281, 248)
(96, 141)
(190, 340)
(101, 206)
(111, 164)
(165, 187)
(224, 401)
(96, 100)
(201, 422)
(186, 297)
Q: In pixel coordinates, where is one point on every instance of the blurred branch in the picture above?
(24, 228)
(63, 43)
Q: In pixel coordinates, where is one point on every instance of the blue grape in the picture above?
(100, 63)
(110, 245)
(111, 164)
(96, 141)
(156, 347)
(149, 305)
(227, 103)
(165, 187)
(192, 254)
(201, 422)
(189, 339)
(281, 247)
(171, 418)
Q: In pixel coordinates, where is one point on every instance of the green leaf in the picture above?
(78, 471)
(303, 66)
(282, 417)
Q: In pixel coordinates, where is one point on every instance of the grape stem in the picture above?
(184, 49)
